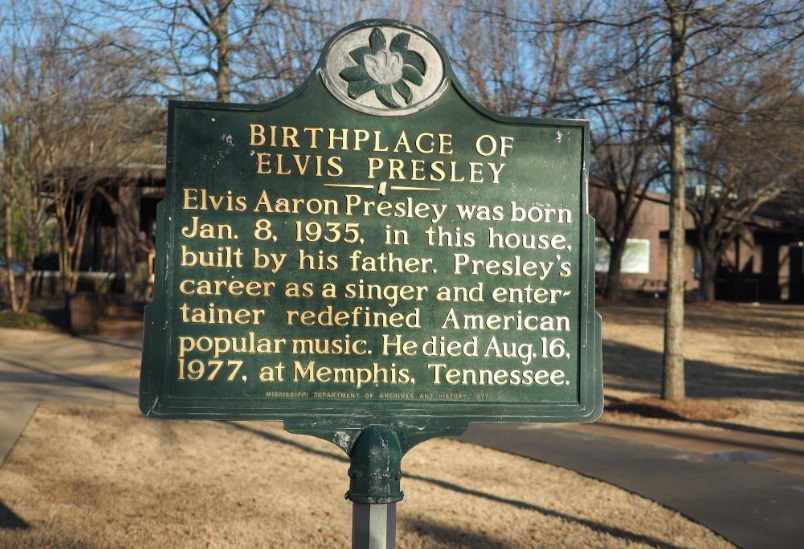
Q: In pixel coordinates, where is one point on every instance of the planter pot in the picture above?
(84, 310)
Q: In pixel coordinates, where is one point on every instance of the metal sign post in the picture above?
(375, 260)
(373, 526)
(375, 472)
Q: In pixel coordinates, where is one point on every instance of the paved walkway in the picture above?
(749, 488)
(51, 369)
(746, 486)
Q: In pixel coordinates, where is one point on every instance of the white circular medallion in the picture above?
(384, 70)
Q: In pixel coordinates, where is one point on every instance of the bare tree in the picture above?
(22, 167)
(686, 37)
(235, 50)
(628, 136)
(673, 385)
(519, 58)
(95, 126)
(72, 115)
(209, 49)
(287, 50)
(737, 168)
(700, 34)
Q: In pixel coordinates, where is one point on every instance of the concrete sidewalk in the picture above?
(50, 369)
(747, 487)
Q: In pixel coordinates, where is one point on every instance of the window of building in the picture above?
(636, 258)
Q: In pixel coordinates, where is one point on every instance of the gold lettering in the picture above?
(374, 165)
(289, 137)
(190, 199)
(402, 142)
(257, 133)
(343, 139)
(219, 315)
(420, 147)
(361, 136)
(263, 163)
(251, 288)
(335, 169)
(395, 166)
(377, 148)
(313, 133)
(445, 141)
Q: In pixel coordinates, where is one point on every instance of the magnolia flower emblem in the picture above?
(384, 68)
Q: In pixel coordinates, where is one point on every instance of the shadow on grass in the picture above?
(592, 525)
(446, 534)
(46, 378)
(342, 457)
(9, 520)
(651, 410)
(121, 343)
(632, 368)
(731, 318)
(57, 316)
(753, 430)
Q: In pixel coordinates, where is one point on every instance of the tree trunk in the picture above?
(708, 275)
(65, 274)
(223, 74)
(673, 386)
(11, 282)
(72, 212)
(614, 287)
(31, 247)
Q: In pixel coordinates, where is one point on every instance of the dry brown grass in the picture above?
(744, 365)
(98, 477)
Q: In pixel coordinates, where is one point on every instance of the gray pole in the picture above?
(374, 526)
(375, 471)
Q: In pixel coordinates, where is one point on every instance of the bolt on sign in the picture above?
(374, 249)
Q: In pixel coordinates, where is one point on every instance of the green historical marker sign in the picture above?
(375, 249)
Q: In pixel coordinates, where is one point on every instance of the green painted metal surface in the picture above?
(375, 249)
